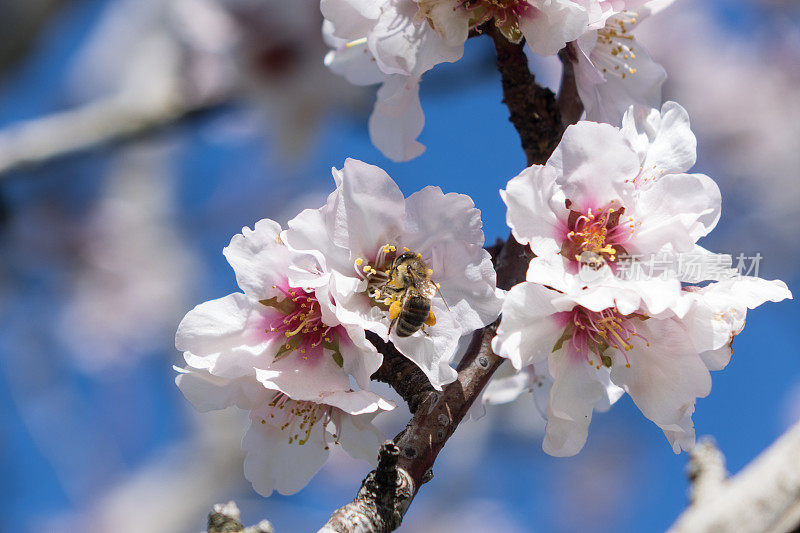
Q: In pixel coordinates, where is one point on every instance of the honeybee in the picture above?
(410, 288)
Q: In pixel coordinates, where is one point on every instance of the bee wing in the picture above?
(425, 286)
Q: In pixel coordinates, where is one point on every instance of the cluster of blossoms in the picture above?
(394, 42)
(286, 347)
(578, 323)
(292, 348)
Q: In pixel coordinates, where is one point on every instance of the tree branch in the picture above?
(763, 497)
(107, 120)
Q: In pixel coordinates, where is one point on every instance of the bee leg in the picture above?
(394, 312)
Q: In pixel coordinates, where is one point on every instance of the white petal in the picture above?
(664, 140)
(528, 330)
(353, 61)
(397, 119)
(210, 393)
(403, 43)
(359, 356)
(305, 379)
(665, 377)
(432, 352)
(551, 24)
(676, 210)
(575, 391)
(537, 213)
(274, 464)
(227, 336)
(596, 164)
(351, 19)
(359, 402)
(259, 259)
(371, 210)
(359, 438)
(607, 99)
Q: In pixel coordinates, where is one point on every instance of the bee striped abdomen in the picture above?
(413, 315)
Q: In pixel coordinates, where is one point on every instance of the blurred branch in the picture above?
(763, 497)
(121, 116)
(20, 25)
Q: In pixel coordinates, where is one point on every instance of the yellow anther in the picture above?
(359, 261)
(406, 249)
(430, 271)
(366, 268)
(388, 301)
(392, 249)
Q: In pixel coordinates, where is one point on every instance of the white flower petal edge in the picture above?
(288, 441)
(365, 225)
(613, 71)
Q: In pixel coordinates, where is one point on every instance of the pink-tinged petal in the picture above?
(272, 463)
(259, 259)
(227, 336)
(551, 24)
(675, 211)
(663, 139)
(666, 374)
(403, 43)
(397, 119)
(351, 19)
(210, 393)
(575, 391)
(596, 164)
(536, 213)
(305, 376)
(528, 329)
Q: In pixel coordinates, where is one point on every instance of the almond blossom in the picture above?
(394, 42)
(612, 70)
(289, 438)
(364, 227)
(607, 193)
(278, 351)
(597, 335)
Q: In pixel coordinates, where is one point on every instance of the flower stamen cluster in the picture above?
(301, 323)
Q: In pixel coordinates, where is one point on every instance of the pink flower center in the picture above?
(298, 417)
(590, 333)
(301, 324)
(601, 232)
